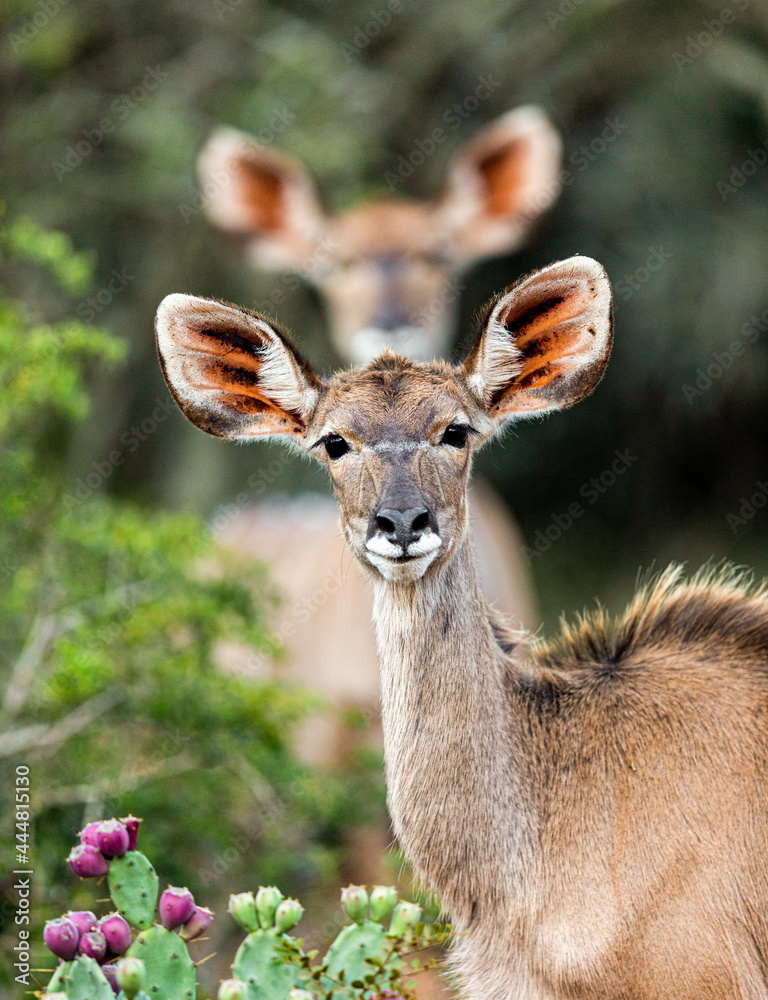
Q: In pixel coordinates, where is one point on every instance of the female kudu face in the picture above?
(397, 435)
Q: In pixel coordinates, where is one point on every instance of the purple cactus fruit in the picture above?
(112, 838)
(232, 989)
(84, 920)
(288, 914)
(87, 862)
(111, 977)
(176, 907)
(88, 833)
(116, 932)
(93, 945)
(131, 824)
(354, 899)
(62, 938)
(197, 923)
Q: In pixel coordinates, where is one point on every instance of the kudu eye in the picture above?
(455, 435)
(335, 446)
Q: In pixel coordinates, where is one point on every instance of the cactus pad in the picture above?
(133, 885)
(256, 964)
(353, 946)
(170, 972)
(81, 978)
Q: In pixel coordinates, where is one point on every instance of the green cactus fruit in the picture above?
(300, 995)
(131, 974)
(233, 989)
(242, 908)
(352, 948)
(81, 978)
(354, 899)
(406, 915)
(383, 899)
(268, 898)
(54, 996)
(133, 885)
(170, 973)
(288, 914)
(257, 964)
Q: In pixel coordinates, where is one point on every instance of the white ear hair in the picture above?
(499, 360)
(230, 371)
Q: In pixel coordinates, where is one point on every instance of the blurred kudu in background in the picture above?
(388, 271)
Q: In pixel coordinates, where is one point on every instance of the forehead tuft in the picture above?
(395, 390)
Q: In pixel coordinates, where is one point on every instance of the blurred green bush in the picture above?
(109, 617)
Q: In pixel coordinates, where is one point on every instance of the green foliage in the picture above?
(110, 614)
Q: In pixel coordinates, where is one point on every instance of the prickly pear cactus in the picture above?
(81, 978)
(364, 943)
(133, 885)
(257, 963)
(170, 972)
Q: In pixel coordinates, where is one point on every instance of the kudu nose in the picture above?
(402, 527)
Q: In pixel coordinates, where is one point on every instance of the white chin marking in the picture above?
(369, 343)
(386, 557)
(381, 546)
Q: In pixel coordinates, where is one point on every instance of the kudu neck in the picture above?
(451, 742)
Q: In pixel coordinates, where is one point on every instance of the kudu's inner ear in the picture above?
(545, 342)
(231, 372)
(501, 182)
(252, 189)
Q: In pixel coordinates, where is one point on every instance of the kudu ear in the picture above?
(251, 189)
(545, 342)
(231, 372)
(500, 183)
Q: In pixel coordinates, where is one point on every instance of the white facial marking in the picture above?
(382, 546)
(387, 557)
(428, 542)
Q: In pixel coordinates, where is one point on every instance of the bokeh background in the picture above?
(675, 206)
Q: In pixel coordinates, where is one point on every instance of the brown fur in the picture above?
(593, 811)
